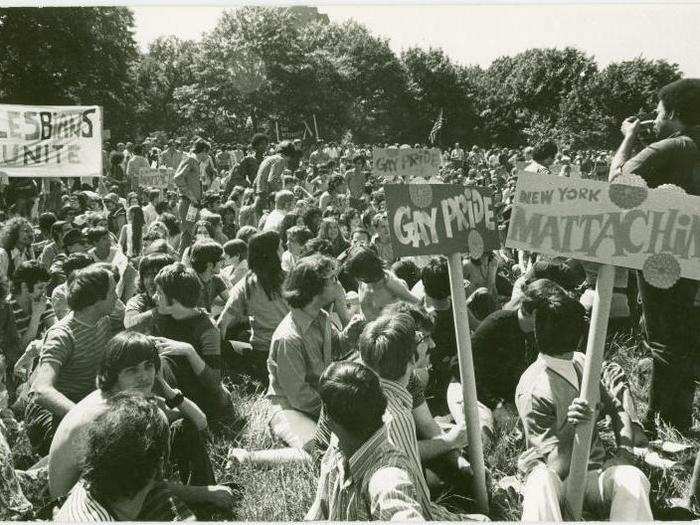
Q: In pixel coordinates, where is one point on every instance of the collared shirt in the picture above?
(269, 177)
(401, 429)
(81, 506)
(543, 397)
(301, 349)
(248, 299)
(375, 483)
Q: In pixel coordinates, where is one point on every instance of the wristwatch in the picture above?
(175, 401)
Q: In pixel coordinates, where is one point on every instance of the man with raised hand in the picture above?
(671, 330)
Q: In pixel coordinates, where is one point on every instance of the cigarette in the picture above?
(646, 122)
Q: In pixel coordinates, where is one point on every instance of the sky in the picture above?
(477, 34)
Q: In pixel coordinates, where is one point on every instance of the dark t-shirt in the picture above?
(501, 352)
(673, 160)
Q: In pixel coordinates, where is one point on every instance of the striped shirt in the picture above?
(82, 507)
(401, 431)
(375, 483)
(22, 318)
(76, 350)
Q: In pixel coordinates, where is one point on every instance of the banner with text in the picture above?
(426, 219)
(50, 141)
(156, 178)
(391, 164)
(622, 223)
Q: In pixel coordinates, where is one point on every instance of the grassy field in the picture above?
(285, 493)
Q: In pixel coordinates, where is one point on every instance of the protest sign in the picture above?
(156, 178)
(656, 231)
(390, 164)
(622, 223)
(426, 219)
(50, 141)
(445, 219)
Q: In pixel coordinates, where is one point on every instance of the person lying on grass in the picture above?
(131, 364)
(550, 407)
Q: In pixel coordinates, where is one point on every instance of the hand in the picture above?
(457, 436)
(579, 412)
(39, 306)
(630, 126)
(220, 496)
(168, 347)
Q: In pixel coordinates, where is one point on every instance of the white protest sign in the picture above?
(156, 177)
(621, 223)
(389, 164)
(50, 141)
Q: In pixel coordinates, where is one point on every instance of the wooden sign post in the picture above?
(590, 390)
(430, 219)
(467, 378)
(622, 223)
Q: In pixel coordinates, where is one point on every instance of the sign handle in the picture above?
(590, 390)
(466, 373)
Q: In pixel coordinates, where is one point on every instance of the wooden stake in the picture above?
(590, 389)
(466, 372)
(277, 130)
(316, 126)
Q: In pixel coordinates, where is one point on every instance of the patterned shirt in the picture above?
(76, 350)
(375, 483)
(82, 507)
(22, 319)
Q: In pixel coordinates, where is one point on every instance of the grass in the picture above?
(285, 493)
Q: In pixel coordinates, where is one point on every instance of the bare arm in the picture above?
(630, 126)
(45, 393)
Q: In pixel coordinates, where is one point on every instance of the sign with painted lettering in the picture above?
(623, 223)
(156, 178)
(427, 219)
(391, 164)
(50, 141)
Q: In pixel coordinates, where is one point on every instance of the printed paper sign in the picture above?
(622, 223)
(426, 219)
(156, 178)
(50, 141)
(390, 164)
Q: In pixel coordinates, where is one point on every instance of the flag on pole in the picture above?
(436, 128)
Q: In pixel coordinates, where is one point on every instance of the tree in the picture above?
(167, 66)
(77, 55)
(627, 88)
(529, 88)
(435, 84)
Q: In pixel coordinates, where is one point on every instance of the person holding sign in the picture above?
(187, 179)
(550, 407)
(673, 159)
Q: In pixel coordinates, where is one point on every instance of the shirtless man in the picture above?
(131, 363)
